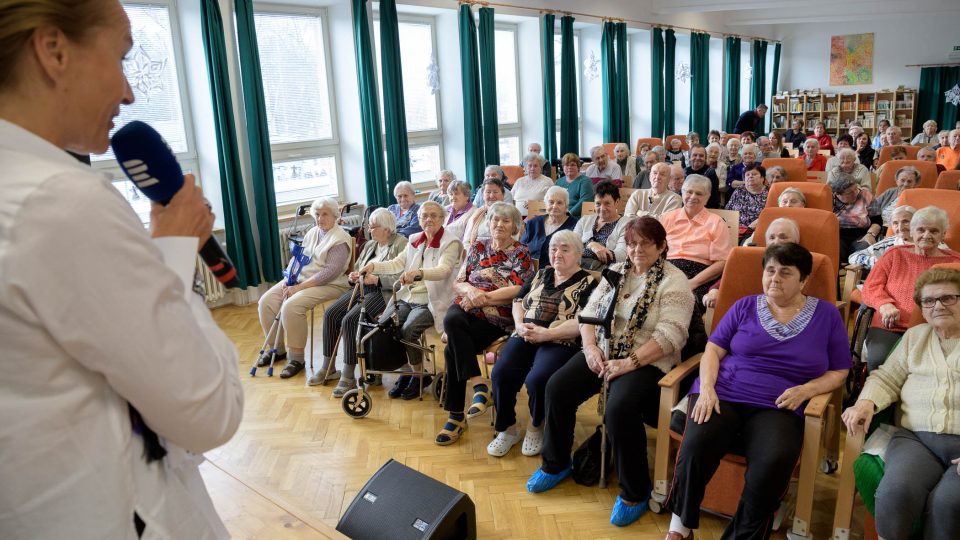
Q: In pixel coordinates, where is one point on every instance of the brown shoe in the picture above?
(674, 535)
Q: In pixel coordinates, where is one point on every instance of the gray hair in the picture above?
(789, 223)
(715, 146)
(506, 210)
(840, 181)
(558, 192)
(699, 180)
(459, 185)
(403, 185)
(794, 191)
(435, 205)
(381, 217)
(447, 172)
(568, 238)
(621, 145)
(751, 148)
(325, 202)
(596, 149)
(930, 215)
(896, 129)
(660, 150)
(783, 172)
(495, 168)
(762, 139)
(909, 169)
(656, 156)
(534, 157)
(929, 123)
(847, 152)
(814, 142)
(904, 208)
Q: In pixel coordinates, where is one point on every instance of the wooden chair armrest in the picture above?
(817, 405)
(680, 372)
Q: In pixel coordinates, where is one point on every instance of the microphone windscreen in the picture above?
(147, 161)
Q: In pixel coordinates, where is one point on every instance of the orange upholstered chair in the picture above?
(948, 180)
(884, 155)
(928, 174)
(742, 277)
(513, 172)
(652, 141)
(610, 146)
(796, 170)
(818, 195)
(683, 142)
(819, 230)
(949, 201)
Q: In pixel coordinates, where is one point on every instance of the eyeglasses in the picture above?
(945, 300)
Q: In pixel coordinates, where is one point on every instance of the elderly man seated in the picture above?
(642, 179)
(602, 168)
(950, 157)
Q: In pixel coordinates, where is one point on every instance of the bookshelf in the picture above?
(837, 110)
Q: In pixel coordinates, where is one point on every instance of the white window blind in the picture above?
(506, 70)
(416, 57)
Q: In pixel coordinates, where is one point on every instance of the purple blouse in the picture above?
(765, 357)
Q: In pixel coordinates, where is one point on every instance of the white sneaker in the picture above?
(502, 443)
(532, 443)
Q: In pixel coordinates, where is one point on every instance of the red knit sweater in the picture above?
(893, 277)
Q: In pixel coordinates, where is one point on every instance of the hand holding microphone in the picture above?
(187, 214)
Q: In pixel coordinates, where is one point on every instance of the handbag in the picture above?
(586, 460)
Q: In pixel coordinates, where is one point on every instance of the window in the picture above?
(508, 92)
(152, 68)
(420, 94)
(298, 96)
(557, 48)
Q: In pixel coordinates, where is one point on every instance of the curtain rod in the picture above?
(484, 3)
(932, 65)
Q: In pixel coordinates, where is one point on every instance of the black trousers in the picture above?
(467, 336)
(772, 440)
(341, 316)
(632, 400)
(522, 363)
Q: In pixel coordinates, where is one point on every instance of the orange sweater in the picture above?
(892, 280)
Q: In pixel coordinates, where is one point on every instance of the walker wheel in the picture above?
(438, 385)
(655, 506)
(829, 466)
(356, 404)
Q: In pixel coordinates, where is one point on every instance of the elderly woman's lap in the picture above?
(293, 310)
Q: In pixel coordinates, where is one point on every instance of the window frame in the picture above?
(578, 64)
(320, 148)
(513, 129)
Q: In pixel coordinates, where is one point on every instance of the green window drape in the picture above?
(758, 81)
(731, 83)
(370, 127)
(774, 82)
(931, 102)
(394, 112)
(488, 87)
(700, 83)
(623, 91)
(616, 113)
(472, 115)
(669, 82)
(258, 137)
(656, 83)
(569, 112)
(549, 88)
(241, 246)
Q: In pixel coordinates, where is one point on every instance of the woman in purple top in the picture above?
(769, 355)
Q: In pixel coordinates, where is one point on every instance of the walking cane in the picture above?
(292, 274)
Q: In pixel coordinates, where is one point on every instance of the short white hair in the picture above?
(447, 172)
(783, 172)
(904, 209)
(325, 202)
(494, 168)
(751, 148)
(930, 123)
(714, 146)
(568, 238)
(847, 152)
(789, 223)
(930, 215)
(435, 205)
(896, 129)
(621, 145)
(534, 157)
(403, 185)
(812, 142)
(381, 217)
(596, 149)
(506, 210)
(698, 179)
(557, 192)
(793, 191)
(459, 185)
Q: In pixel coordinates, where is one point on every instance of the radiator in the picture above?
(215, 290)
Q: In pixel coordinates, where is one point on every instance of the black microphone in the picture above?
(149, 163)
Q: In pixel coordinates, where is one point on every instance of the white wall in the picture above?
(911, 39)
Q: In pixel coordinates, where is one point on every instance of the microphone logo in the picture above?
(138, 172)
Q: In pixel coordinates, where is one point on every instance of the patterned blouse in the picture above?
(547, 304)
(489, 269)
(600, 236)
(748, 204)
(856, 215)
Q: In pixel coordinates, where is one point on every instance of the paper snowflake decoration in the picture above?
(143, 72)
(748, 73)
(433, 76)
(591, 67)
(684, 74)
(953, 95)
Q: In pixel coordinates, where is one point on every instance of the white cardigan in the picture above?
(615, 242)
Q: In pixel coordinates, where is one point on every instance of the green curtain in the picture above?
(472, 115)
(669, 81)
(931, 102)
(258, 138)
(488, 87)
(370, 127)
(700, 83)
(569, 112)
(608, 78)
(656, 80)
(774, 81)
(549, 88)
(731, 83)
(758, 81)
(241, 246)
(391, 79)
(623, 91)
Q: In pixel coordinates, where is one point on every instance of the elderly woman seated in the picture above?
(602, 232)
(908, 177)
(677, 177)
(628, 164)
(538, 230)
(533, 186)
(602, 168)
(649, 328)
(769, 355)
(921, 476)
(792, 198)
(342, 317)
(900, 223)
(715, 161)
(496, 173)
(406, 209)
(578, 186)
(733, 152)
(698, 239)
(546, 335)
(322, 278)
(458, 193)
(426, 269)
(749, 153)
(657, 199)
(750, 199)
(851, 204)
(890, 286)
(846, 161)
(474, 225)
(489, 280)
(440, 195)
(822, 137)
(811, 156)
(776, 174)
(845, 140)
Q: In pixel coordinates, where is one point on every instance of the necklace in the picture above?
(791, 310)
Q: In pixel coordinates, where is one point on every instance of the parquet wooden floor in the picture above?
(298, 460)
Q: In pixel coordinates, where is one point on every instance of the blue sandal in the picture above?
(451, 432)
(481, 400)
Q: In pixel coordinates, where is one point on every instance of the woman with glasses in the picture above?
(921, 477)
